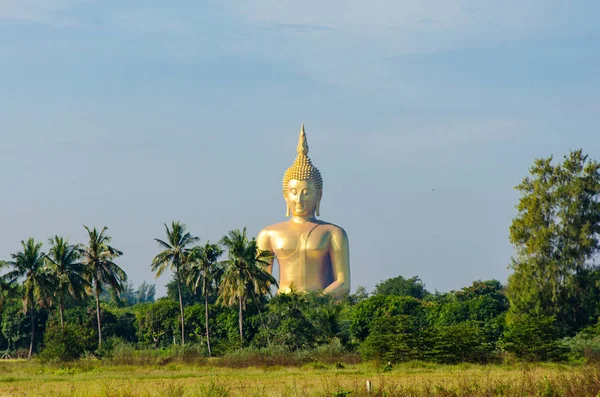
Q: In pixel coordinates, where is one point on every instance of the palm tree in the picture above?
(28, 265)
(203, 267)
(98, 257)
(245, 272)
(63, 260)
(175, 256)
(7, 290)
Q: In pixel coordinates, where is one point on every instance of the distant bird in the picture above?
(432, 189)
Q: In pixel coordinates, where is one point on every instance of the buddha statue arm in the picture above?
(263, 242)
(340, 262)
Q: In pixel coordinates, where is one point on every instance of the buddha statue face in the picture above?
(302, 183)
(302, 198)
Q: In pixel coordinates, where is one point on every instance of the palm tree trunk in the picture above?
(32, 334)
(206, 313)
(61, 309)
(240, 319)
(181, 308)
(259, 315)
(98, 317)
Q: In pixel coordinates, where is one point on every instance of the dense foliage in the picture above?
(76, 300)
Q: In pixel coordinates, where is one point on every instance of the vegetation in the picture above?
(556, 235)
(181, 378)
(245, 276)
(74, 304)
(37, 284)
(67, 271)
(205, 271)
(101, 270)
(175, 256)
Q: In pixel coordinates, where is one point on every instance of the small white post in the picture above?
(369, 386)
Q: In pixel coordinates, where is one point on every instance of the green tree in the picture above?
(378, 306)
(400, 286)
(13, 324)
(358, 296)
(7, 289)
(461, 342)
(534, 338)
(28, 265)
(98, 258)
(488, 288)
(63, 261)
(291, 322)
(245, 275)
(483, 303)
(64, 343)
(158, 321)
(187, 294)
(175, 256)
(556, 236)
(395, 338)
(145, 292)
(204, 271)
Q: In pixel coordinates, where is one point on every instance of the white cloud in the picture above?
(33, 10)
(401, 19)
(348, 42)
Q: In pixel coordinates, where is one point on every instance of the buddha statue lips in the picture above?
(313, 255)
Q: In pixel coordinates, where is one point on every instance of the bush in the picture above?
(462, 342)
(367, 312)
(65, 343)
(395, 339)
(533, 338)
(331, 353)
(190, 352)
(584, 346)
(264, 357)
(282, 356)
(124, 353)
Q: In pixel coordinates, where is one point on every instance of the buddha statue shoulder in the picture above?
(313, 255)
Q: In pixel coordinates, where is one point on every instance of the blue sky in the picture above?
(132, 114)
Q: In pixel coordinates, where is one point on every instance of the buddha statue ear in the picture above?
(318, 206)
(287, 209)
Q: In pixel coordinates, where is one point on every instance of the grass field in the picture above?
(95, 378)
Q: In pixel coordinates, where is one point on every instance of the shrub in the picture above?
(462, 342)
(64, 343)
(265, 357)
(395, 339)
(330, 353)
(124, 353)
(584, 346)
(534, 338)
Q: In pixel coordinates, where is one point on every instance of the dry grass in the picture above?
(94, 378)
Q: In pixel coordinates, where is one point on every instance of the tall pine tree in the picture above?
(555, 234)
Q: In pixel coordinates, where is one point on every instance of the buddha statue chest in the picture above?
(312, 239)
(302, 252)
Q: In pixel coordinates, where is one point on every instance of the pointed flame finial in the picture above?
(302, 144)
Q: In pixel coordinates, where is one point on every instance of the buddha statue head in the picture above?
(302, 183)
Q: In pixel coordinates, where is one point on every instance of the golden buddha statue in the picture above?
(313, 255)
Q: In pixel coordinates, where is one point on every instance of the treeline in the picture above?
(399, 321)
(75, 300)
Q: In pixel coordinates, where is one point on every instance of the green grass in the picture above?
(100, 378)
